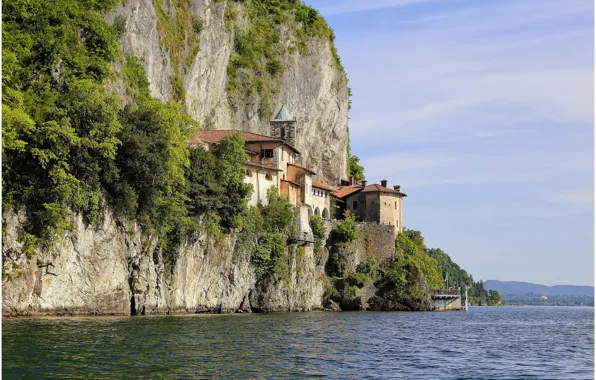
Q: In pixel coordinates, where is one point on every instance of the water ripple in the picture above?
(504, 342)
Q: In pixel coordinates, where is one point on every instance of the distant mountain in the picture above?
(524, 288)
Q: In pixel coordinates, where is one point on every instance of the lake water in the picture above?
(484, 343)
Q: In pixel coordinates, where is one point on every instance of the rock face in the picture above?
(311, 86)
(113, 268)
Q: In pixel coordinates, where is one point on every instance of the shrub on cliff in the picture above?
(346, 231)
(412, 272)
(318, 231)
(278, 214)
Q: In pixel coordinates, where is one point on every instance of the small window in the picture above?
(355, 205)
(283, 133)
(268, 176)
(396, 205)
(267, 153)
(248, 173)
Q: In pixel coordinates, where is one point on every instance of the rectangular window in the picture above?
(267, 153)
(283, 133)
(355, 205)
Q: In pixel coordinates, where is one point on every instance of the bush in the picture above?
(346, 231)
(359, 280)
(197, 24)
(318, 231)
(368, 267)
(269, 257)
(278, 214)
(412, 266)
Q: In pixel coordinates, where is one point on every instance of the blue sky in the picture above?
(483, 112)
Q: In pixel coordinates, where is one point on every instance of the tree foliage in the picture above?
(318, 231)
(346, 231)
(355, 169)
(477, 294)
(68, 142)
(61, 127)
(412, 267)
(265, 233)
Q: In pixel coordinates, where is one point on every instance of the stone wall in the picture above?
(289, 128)
(447, 304)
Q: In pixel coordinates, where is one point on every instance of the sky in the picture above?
(483, 112)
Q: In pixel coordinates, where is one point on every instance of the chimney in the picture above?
(396, 187)
(351, 180)
(384, 182)
(364, 182)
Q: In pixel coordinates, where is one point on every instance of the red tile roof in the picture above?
(378, 188)
(344, 191)
(321, 186)
(215, 137)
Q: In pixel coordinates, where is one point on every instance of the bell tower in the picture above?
(283, 126)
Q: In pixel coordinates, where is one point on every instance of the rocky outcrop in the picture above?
(311, 86)
(113, 268)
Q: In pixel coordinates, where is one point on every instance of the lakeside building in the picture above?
(274, 161)
(374, 203)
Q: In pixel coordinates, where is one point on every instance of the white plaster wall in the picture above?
(322, 202)
(260, 185)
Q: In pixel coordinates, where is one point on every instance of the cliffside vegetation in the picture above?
(265, 234)
(261, 46)
(477, 294)
(70, 145)
(354, 168)
(402, 281)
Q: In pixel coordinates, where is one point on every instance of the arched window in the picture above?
(318, 212)
(325, 214)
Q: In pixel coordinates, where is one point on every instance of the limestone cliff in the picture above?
(112, 268)
(193, 69)
(186, 48)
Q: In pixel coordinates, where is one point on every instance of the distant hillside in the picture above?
(523, 288)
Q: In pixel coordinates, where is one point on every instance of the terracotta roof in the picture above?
(378, 188)
(321, 186)
(302, 167)
(215, 136)
(344, 191)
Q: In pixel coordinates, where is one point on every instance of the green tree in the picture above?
(231, 172)
(278, 214)
(346, 231)
(152, 159)
(412, 265)
(355, 169)
(318, 231)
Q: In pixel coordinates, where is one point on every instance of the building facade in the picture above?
(373, 203)
(274, 161)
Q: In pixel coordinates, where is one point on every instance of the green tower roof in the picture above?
(284, 115)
